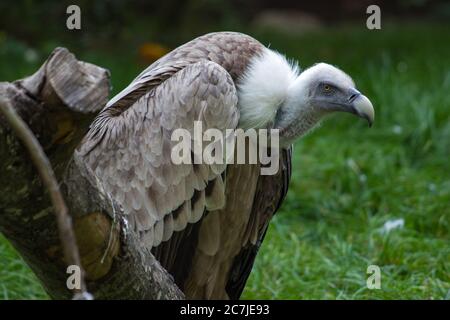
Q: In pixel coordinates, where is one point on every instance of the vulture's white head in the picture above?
(274, 93)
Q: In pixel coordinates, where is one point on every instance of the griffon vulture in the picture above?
(204, 224)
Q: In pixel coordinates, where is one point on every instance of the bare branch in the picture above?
(47, 175)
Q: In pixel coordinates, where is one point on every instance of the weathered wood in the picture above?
(58, 103)
(47, 176)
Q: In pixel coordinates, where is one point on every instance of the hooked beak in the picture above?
(361, 106)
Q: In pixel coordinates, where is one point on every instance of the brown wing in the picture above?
(270, 193)
(130, 153)
(229, 238)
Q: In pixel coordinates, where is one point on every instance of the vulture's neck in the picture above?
(263, 88)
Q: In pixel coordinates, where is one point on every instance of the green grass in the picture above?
(348, 180)
(16, 279)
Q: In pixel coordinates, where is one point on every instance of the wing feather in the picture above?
(269, 195)
(130, 150)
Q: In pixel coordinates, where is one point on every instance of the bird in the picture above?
(205, 224)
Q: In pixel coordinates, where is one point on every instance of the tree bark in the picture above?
(58, 103)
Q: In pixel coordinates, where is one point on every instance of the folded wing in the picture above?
(129, 147)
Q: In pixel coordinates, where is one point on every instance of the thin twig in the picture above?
(47, 175)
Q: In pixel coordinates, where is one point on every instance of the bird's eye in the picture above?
(327, 89)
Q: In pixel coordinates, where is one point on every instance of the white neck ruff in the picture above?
(263, 88)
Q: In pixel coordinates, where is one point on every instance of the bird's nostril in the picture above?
(353, 97)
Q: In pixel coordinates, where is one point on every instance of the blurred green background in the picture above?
(348, 180)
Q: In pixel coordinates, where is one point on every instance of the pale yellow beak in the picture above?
(364, 108)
